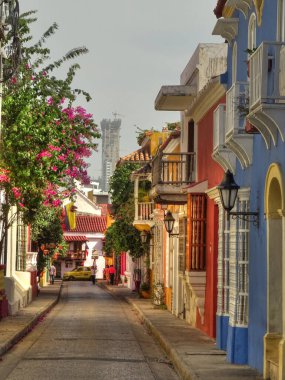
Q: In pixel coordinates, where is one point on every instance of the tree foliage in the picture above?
(122, 236)
(45, 138)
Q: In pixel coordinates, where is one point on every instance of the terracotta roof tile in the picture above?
(90, 223)
(140, 155)
(75, 238)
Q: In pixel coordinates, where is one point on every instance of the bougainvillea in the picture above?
(45, 137)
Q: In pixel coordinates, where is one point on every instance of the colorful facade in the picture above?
(251, 298)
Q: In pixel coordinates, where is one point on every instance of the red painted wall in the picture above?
(209, 170)
(123, 262)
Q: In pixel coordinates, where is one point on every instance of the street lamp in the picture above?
(169, 221)
(143, 237)
(228, 190)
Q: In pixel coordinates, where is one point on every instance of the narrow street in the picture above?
(89, 334)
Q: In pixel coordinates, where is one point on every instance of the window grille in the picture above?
(226, 268)
(239, 254)
(182, 244)
(21, 244)
(223, 263)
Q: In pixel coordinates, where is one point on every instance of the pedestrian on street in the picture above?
(52, 273)
(93, 274)
(107, 274)
(112, 272)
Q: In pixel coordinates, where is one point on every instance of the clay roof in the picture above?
(90, 223)
(138, 156)
(219, 8)
(75, 238)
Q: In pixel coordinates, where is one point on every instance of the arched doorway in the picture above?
(274, 210)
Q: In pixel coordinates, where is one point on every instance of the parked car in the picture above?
(79, 273)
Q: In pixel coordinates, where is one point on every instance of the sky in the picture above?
(135, 47)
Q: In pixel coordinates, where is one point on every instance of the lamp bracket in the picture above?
(251, 217)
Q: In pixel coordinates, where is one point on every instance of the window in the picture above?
(182, 244)
(197, 238)
(234, 63)
(251, 42)
(223, 263)
(239, 260)
(21, 245)
(281, 20)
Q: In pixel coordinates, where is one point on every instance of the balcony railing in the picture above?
(81, 255)
(144, 210)
(237, 107)
(219, 126)
(173, 169)
(267, 74)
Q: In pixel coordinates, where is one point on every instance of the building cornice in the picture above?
(206, 99)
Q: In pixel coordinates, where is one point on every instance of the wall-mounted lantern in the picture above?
(228, 190)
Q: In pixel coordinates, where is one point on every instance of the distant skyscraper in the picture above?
(110, 130)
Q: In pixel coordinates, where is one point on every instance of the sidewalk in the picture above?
(193, 353)
(12, 329)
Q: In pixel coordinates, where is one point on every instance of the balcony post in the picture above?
(136, 196)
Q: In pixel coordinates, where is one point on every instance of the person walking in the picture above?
(52, 273)
(107, 274)
(93, 274)
(112, 272)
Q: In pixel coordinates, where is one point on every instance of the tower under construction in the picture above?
(110, 130)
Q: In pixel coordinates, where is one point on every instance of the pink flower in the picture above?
(4, 178)
(21, 205)
(17, 192)
(54, 168)
(50, 101)
(44, 73)
(56, 203)
(54, 148)
(62, 158)
(44, 153)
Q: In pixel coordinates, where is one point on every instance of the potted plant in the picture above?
(144, 290)
(243, 108)
(249, 128)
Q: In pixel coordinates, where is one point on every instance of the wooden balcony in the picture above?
(171, 172)
(236, 139)
(143, 215)
(267, 91)
(79, 255)
(221, 154)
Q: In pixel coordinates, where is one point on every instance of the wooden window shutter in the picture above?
(197, 231)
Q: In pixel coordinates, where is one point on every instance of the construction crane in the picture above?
(117, 114)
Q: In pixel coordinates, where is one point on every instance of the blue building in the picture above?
(251, 144)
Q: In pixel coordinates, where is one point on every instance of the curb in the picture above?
(25, 330)
(183, 370)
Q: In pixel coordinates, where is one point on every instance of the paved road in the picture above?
(88, 335)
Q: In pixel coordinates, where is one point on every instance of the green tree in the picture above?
(122, 236)
(45, 138)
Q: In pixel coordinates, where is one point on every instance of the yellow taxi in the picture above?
(79, 273)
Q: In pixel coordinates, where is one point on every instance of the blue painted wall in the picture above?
(254, 177)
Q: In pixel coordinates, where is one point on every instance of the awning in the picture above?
(75, 238)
